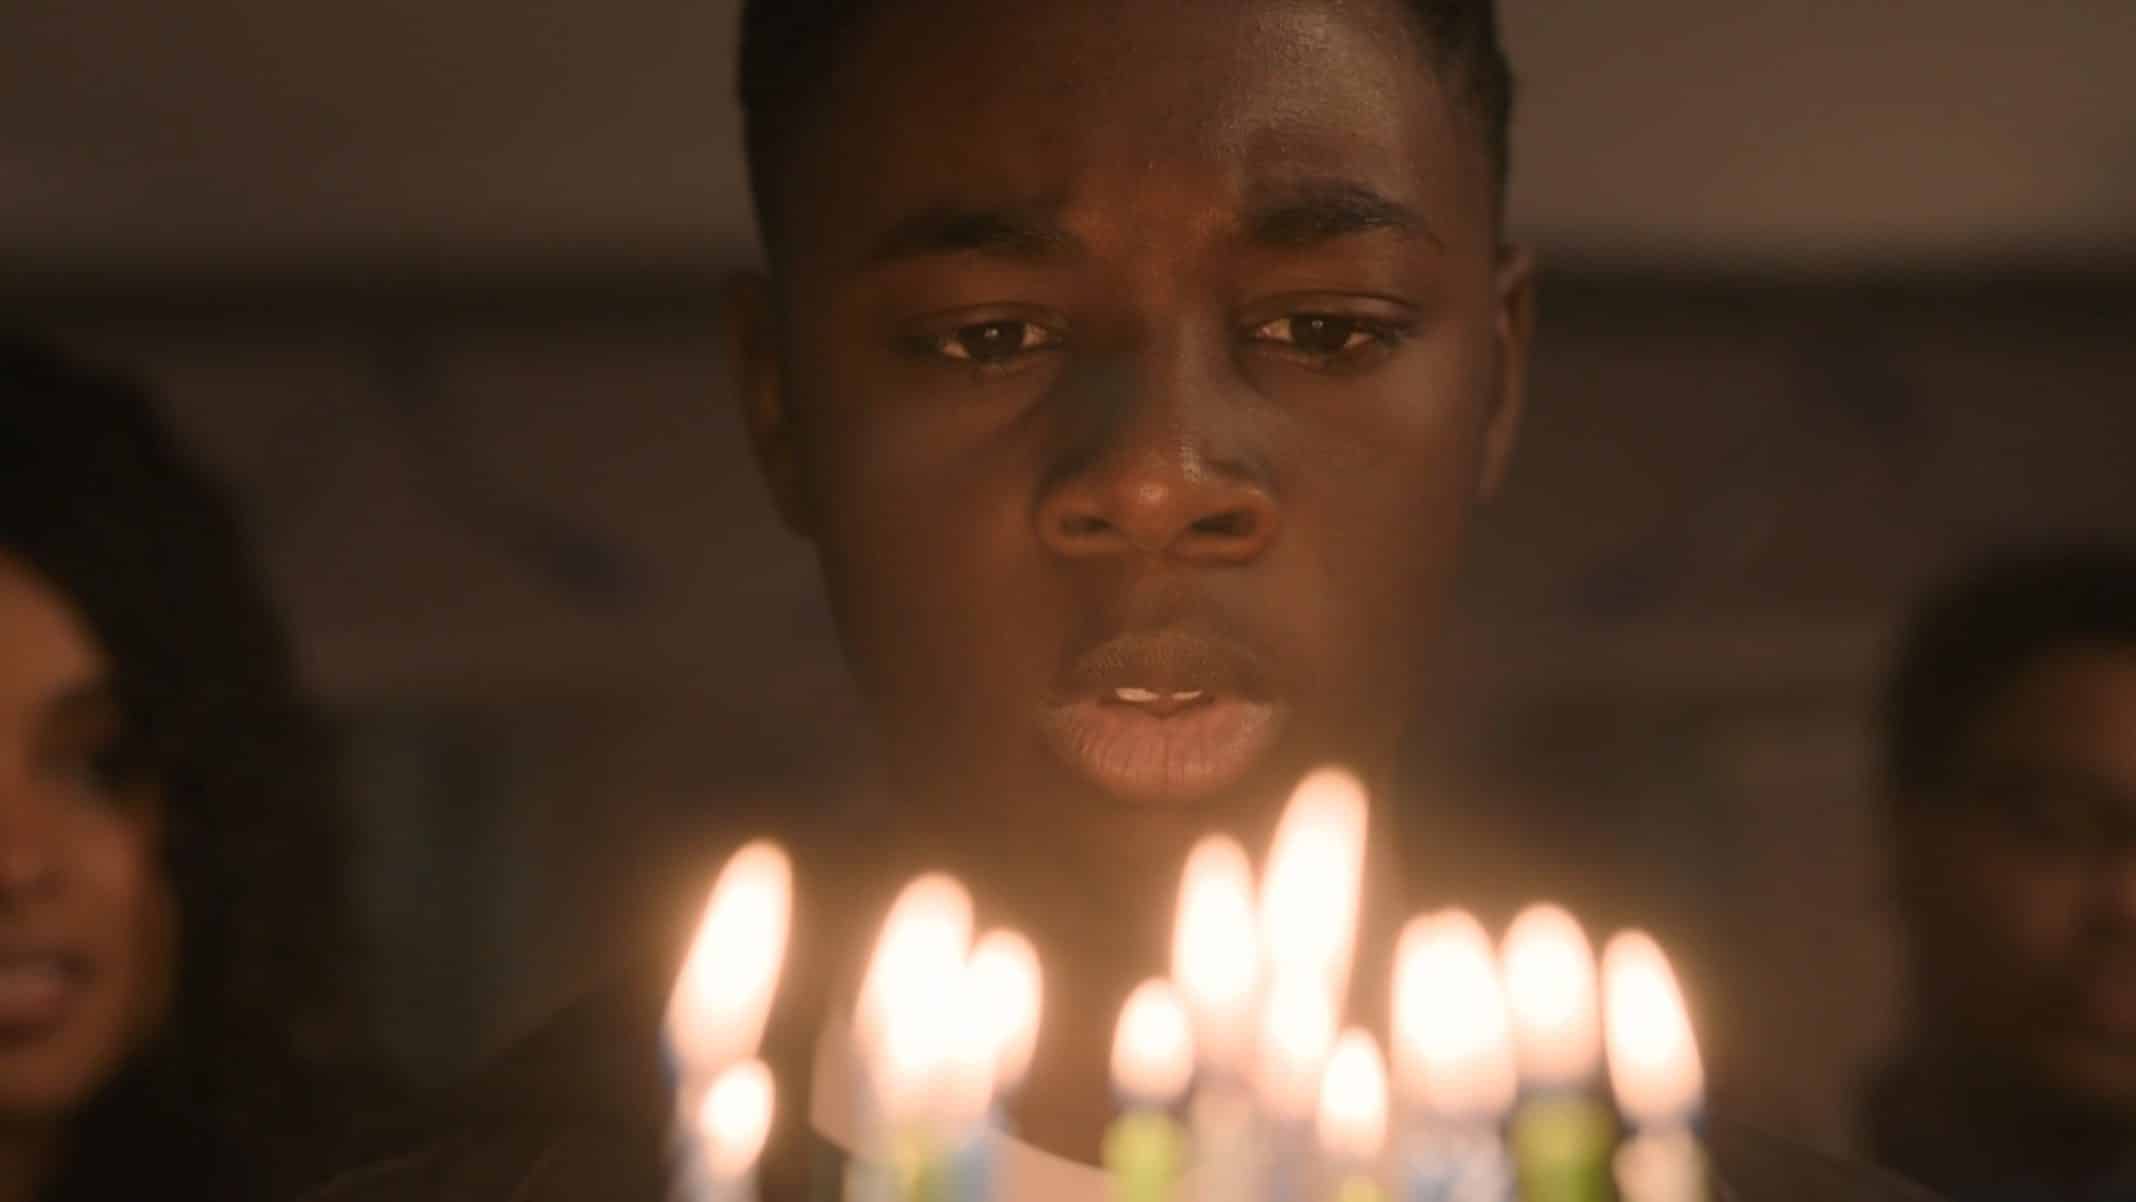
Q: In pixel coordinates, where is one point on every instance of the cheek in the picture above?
(2017, 909)
(122, 871)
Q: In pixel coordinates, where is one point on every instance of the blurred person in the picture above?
(172, 959)
(1134, 370)
(2009, 739)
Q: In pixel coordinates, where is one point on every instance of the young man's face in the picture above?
(1134, 368)
(2024, 894)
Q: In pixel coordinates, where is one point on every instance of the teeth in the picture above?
(1145, 696)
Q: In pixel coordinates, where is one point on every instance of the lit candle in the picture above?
(905, 1028)
(996, 1037)
(1216, 963)
(1562, 1134)
(722, 997)
(1310, 893)
(1297, 1034)
(1453, 1059)
(1353, 1117)
(732, 1123)
(1152, 1064)
(1655, 1070)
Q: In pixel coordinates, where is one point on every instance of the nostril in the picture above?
(1083, 525)
(1235, 524)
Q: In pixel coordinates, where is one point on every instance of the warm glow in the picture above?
(1453, 1050)
(735, 1120)
(1153, 1047)
(1353, 1101)
(1216, 951)
(1005, 990)
(1653, 1059)
(1550, 992)
(1309, 897)
(911, 1001)
(1297, 1030)
(722, 996)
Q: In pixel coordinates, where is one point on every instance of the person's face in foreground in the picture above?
(1134, 368)
(2029, 885)
(85, 940)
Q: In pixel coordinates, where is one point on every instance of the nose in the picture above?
(1161, 467)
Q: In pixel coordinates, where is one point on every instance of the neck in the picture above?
(29, 1154)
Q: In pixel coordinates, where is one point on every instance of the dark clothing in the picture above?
(1976, 1142)
(580, 1112)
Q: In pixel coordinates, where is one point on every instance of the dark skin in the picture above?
(1184, 321)
(2020, 884)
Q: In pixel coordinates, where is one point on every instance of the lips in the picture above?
(1166, 717)
(37, 988)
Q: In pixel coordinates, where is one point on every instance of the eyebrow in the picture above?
(1003, 233)
(1316, 211)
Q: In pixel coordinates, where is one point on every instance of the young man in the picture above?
(1134, 369)
(2010, 738)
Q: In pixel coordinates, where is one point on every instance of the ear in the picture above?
(1513, 297)
(749, 321)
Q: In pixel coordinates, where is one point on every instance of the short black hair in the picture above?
(790, 47)
(1970, 640)
(263, 1041)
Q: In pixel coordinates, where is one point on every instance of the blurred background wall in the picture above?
(1837, 293)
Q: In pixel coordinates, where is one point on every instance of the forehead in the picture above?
(1124, 113)
(2077, 707)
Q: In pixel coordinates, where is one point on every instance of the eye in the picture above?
(1328, 337)
(991, 342)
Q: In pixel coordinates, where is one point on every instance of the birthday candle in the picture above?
(1309, 903)
(1563, 1135)
(996, 1037)
(1654, 1068)
(1297, 1035)
(905, 1030)
(1152, 1064)
(1353, 1117)
(1216, 963)
(722, 997)
(1310, 892)
(731, 1126)
(1453, 1060)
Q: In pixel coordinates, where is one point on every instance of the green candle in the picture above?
(1152, 1063)
(1144, 1153)
(1562, 1146)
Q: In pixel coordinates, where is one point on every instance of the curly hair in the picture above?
(1970, 639)
(790, 47)
(259, 1041)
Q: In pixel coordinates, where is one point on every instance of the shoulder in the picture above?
(1754, 1166)
(578, 1102)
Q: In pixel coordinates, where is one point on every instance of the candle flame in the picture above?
(722, 997)
(1153, 1047)
(1216, 952)
(735, 1119)
(1453, 1046)
(1653, 1058)
(1006, 991)
(911, 1000)
(1353, 1101)
(1550, 991)
(1309, 897)
(1297, 1031)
